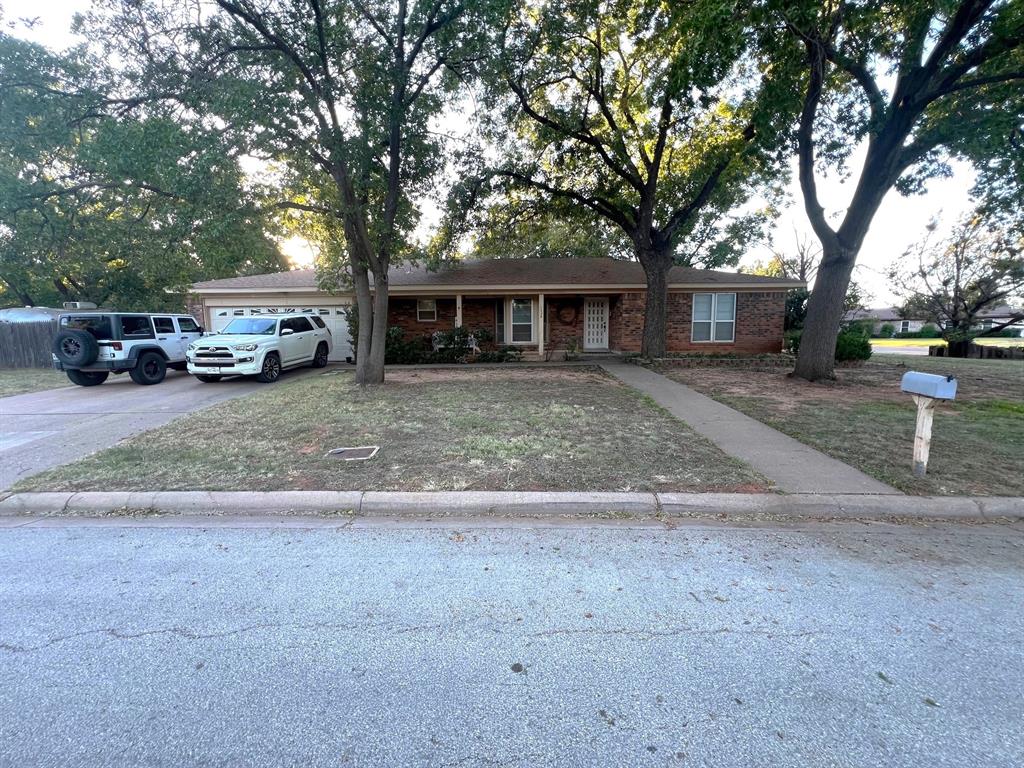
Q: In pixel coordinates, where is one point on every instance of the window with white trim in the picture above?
(522, 320)
(714, 317)
(904, 326)
(426, 310)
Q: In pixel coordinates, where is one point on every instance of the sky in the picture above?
(899, 223)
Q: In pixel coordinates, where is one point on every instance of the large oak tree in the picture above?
(914, 83)
(342, 94)
(657, 119)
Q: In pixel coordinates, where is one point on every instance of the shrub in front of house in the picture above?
(398, 350)
(886, 331)
(853, 343)
(928, 331)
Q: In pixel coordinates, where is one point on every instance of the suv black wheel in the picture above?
(87, 378)
(271, 368)
(208, 379)
(320, 358)
(75, 347)
(150, 369)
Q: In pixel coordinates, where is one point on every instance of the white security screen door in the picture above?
(595, 323)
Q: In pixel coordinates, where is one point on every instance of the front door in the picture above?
(595, 323)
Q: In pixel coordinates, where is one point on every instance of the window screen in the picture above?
(426, 310)
(714, 317)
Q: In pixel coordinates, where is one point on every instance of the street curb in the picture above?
(540, 504)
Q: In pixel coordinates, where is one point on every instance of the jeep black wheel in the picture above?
(271, 368)
(150, 369)
(87, 378)
(320, 358)
(75, 347)
(208, 379)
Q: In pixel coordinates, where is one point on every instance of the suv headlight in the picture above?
(245, 347)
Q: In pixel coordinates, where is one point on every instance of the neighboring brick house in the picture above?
(544, 306)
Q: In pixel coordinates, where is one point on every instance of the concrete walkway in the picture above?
(792, 466)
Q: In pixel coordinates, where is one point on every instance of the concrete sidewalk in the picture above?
(792, 466)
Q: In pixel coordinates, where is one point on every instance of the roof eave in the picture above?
(536, 288)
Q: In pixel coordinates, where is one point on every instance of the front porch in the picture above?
(541, 326)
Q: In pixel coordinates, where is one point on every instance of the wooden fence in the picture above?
(982, 352)
(26, 345)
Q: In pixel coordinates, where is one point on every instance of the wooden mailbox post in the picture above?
(926, 389)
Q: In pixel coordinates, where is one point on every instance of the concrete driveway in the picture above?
(40, 430)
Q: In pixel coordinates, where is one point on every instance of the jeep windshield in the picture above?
(251, 326)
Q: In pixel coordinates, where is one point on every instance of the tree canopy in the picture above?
(125, 211)
(915, 84)
(341, 95)
(977, 268)
(656, 120)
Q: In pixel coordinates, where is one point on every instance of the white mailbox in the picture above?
(929, 385)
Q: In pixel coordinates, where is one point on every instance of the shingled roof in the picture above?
(509, 273)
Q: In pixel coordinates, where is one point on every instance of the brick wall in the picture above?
(194, 306)
(564, 321)
(402, 312)
(478, 313)
(759, 323)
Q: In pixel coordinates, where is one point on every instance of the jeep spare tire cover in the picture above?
(75, 347)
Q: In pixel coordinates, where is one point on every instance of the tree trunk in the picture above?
(364, 310)
(656, 265)
(373, 373)
(817, 357)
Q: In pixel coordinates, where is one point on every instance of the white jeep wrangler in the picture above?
(260, 346)
(89, 346)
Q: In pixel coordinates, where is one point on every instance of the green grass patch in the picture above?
(18, 381)
(555, 429)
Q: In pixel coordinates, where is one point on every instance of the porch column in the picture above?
(540, 324)
(458, 310)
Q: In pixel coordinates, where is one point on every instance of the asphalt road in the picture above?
(908, 350)
(398, 645)
(40, 430)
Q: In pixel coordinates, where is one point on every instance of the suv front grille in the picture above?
(214, 357)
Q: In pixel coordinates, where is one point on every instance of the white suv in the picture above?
(89, 346)
(260, 346)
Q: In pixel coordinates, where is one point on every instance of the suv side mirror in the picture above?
(287, 331)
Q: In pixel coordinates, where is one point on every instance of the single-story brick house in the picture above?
(541, 305)
(893, 316)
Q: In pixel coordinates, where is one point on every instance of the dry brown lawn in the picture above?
(865, 420)
(558, 428)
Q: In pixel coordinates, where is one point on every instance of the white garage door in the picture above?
(334, 318)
